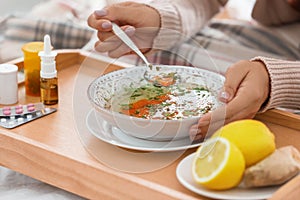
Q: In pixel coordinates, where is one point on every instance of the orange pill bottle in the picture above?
(32, 67)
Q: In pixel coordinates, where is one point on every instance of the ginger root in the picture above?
(279, 167)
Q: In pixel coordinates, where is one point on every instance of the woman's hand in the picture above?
(245, 90)
(139, 21)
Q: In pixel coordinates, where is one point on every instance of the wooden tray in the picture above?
(49, 149)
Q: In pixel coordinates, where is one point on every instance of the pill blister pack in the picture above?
(20, 109)
(11, 117)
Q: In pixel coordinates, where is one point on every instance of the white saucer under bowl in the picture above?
(112, 135)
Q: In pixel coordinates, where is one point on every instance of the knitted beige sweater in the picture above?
(185, 17)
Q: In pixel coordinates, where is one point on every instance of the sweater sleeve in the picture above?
(277, 12)
(284, 83)
(181, 19)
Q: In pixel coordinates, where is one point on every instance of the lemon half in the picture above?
(218, 164)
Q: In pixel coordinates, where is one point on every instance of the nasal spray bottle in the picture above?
(48, 74)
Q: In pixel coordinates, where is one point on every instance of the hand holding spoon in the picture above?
(150, 74)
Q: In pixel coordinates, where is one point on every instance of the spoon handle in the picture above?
(123, 36)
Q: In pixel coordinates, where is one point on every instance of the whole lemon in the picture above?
(218, 164)
(252, 137)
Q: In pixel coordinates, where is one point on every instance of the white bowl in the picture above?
(106, 88)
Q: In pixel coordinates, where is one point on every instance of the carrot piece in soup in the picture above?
(141, 107)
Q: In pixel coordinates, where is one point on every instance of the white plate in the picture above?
(112, 135)
(184, 175)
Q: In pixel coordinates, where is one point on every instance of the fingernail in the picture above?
(198, 138)
(100, 13)
(130, 30)
(106, 25)
(194, 131)
(224, 95)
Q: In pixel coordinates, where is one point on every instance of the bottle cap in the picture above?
(9, 83)
(48, 64)
(32, 48)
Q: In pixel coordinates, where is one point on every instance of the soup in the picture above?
(174, 102)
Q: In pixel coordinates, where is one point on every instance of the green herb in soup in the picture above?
(174, 102)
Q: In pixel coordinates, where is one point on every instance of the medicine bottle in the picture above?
(48, 74)
(9, 84)
(32, 67)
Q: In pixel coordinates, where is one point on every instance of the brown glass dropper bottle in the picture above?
(48, 74)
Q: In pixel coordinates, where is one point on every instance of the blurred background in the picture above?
(9, 6)
(18, 17)
(237, 8)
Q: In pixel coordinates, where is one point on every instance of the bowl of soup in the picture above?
(160, 112)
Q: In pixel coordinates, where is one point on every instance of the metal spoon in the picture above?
(150, 74)
(124, 37)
